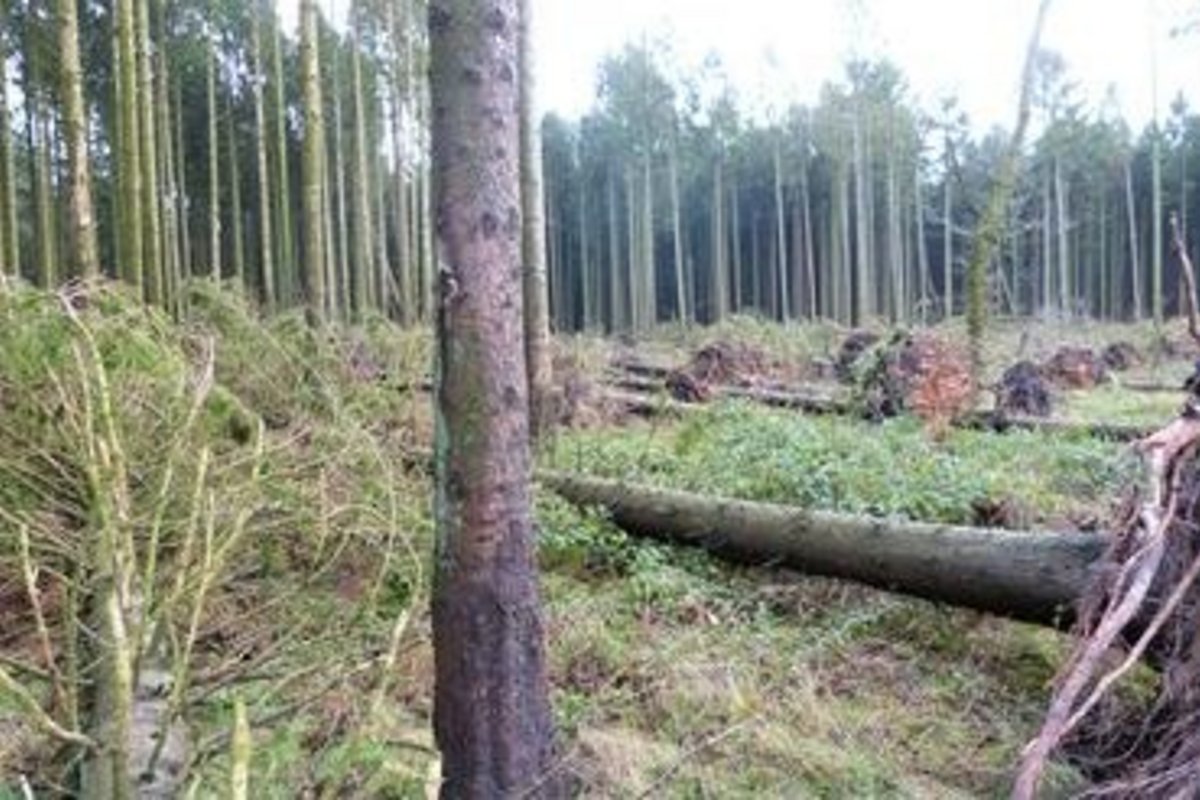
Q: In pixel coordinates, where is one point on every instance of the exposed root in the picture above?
(1074, 368)
(1144, 599)
(1121, 356)
(1022, 390)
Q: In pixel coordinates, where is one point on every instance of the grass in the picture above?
(679, 677)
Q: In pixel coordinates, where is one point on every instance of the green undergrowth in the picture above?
(890, 469)
(287, 479)
(679, 677)
(1112, 403)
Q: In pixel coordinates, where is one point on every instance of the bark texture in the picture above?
(1034, 577)
(491, 709)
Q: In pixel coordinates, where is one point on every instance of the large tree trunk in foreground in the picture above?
(491, 708)
(1035, 577)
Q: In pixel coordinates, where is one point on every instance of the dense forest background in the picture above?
(668, 201)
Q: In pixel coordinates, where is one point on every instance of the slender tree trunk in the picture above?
(314, 157)
(37, 131)
(533, 239)
(616, 316)
(948, 239)
(83, 258)
(148, 158)
(129, 158)
(10, 233)
(781, 251)
(214, 176)
(235, 192)
(810, 269)
(1047, 249)
(990, 228)
(362, 255)
(864, 291)
(735, 203)
(398, 25)
(340, 286)
(166, 169)
(922, 247)
(1134, 265)
(587, 298)
(1156, 223)
(185, 226)
(1064, 256)
(287, 268)
(491, 709)
(681, 306)
(262, 161)
(648, 272)
(720, 269)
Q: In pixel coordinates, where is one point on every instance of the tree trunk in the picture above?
(286, 276)
(648, 273)
(1028, 576)
(491, 708)
(616, 297)
(533, 237)
(129, 150)
(262, 162)
(83, 259)
(214, 176)
(1064, 258)
(148, 158)
(922, 247)
(363, 253)
(314, 157)
(10, 234)
(1134, 265)
(948, 238)
(810, 270)
(398, 25)
(235, 202)
(1156, 225)
(735, 202)
(339, 237)
(781, 252)
(681, 307)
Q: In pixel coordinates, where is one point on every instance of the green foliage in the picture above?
(335, 524)
(889, 469)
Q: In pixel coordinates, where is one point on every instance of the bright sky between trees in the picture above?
(781, 51)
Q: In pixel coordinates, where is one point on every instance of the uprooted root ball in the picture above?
(1022, 390)
(1121, 356)
(917, 373)
(1074, 368)
(1143, 605)
(852, 350)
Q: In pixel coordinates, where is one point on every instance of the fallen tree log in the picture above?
(646, 404)
(1030, 576)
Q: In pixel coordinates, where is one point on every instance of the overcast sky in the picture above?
(783, 50)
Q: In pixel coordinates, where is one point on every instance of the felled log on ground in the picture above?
(646, 405)
(1030, 576)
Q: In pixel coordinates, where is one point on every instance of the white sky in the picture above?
(783, 50)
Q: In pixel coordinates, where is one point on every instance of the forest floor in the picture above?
(674, 675)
